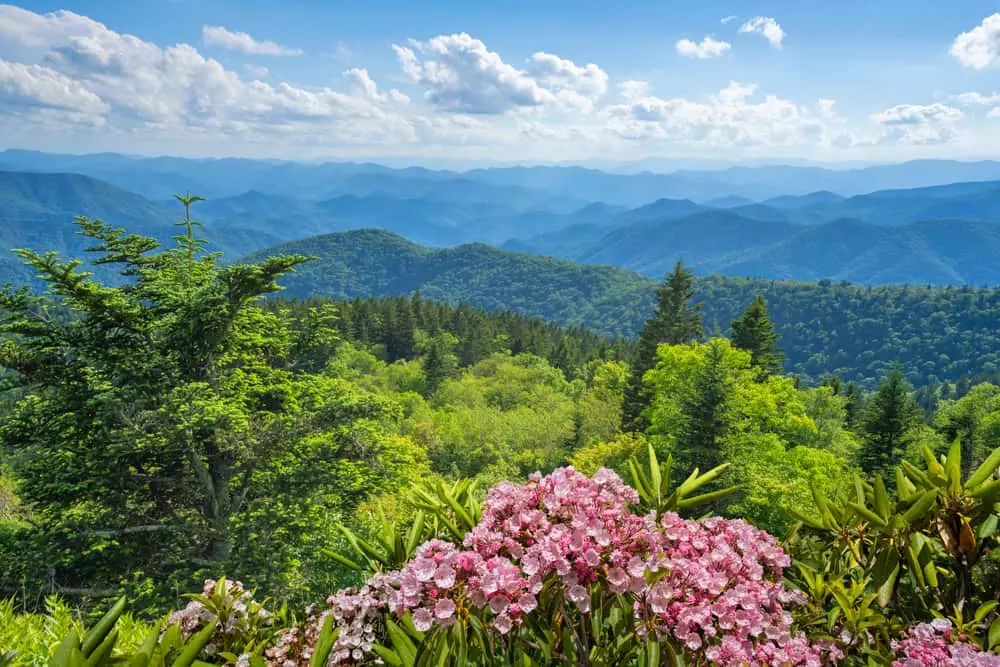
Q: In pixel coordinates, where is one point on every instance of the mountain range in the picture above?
(946, 233)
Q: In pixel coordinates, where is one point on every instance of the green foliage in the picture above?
(163, 423)
(753, 331)
(888, 426)
(676, 320)
(882, 558)
(712, 405)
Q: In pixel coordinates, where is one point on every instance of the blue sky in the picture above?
(513, 81)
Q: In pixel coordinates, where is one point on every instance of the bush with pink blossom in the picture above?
(563, 568)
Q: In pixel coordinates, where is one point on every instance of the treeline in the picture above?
(937, 334)
(405, 328)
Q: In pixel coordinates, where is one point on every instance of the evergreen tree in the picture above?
(676, 320)
(854, 406)
(400, 334)
(754, 332)
(705, 414)
(888, 425)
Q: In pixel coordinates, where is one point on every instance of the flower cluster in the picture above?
(717, 591)
(935, 643)
(713, 586)
(239, 619)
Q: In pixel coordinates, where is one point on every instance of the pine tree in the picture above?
(675, 321)
(854, 406)
(705, 415)
(887, 425)
(754, 332)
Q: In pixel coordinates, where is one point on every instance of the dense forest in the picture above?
(175, 427)
(937, 334)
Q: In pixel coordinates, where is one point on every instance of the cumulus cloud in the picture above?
(918, 123)
(460, 74)
(729, 118)
(361, 84)
(728, 19)
(223, 38)
(767, 27)
(707, 48)
(561, 74)
(37, 86)
(136, 84)
(979, 48)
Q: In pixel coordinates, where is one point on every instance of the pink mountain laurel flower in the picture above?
(716, 588)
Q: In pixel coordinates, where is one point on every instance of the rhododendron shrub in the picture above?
(936, 643)
(563, 569)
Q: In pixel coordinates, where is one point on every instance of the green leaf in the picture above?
(919, 508)
(868, 514)
(881, 498)
(985, 469)
(194, 646)
(704, 498)
(655, 480)
(993, 637)
(416, 531)
(342, 559)
(324, 643)
(96, 636)
(389, 656)
(403, 645)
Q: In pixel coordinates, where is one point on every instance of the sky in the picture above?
(518, 81)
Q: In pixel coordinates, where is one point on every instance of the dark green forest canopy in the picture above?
(857, 332)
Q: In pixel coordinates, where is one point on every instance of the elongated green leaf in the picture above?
(919, 508)
(806, 519)
(324, 643)
(96, 635)
(194, 646)
(416, 531)
(402, 644)
(655, 479)
(704, 498)
(696, 481)
(868, 514)
(985, 469)
(881, 498)
(342, 559)
(388, 656)
(102, 652)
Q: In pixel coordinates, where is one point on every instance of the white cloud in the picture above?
(918, 123)
(977, 98)
(562, 74)
(38, 86)
(729, 118)
(256, 71)
(632, 90)
(361, 84)
(979, 48)
(137, 85)
(766, 27)
(223, 38)
(459, 73)
(728, 19)
(707, 48)
(993, 113)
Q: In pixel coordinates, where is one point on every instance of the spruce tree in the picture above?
(676, 320)
(887, 425)
(754, 332)
(854, 406)
(704, 413)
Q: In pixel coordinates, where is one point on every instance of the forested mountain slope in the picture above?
(937, 333)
